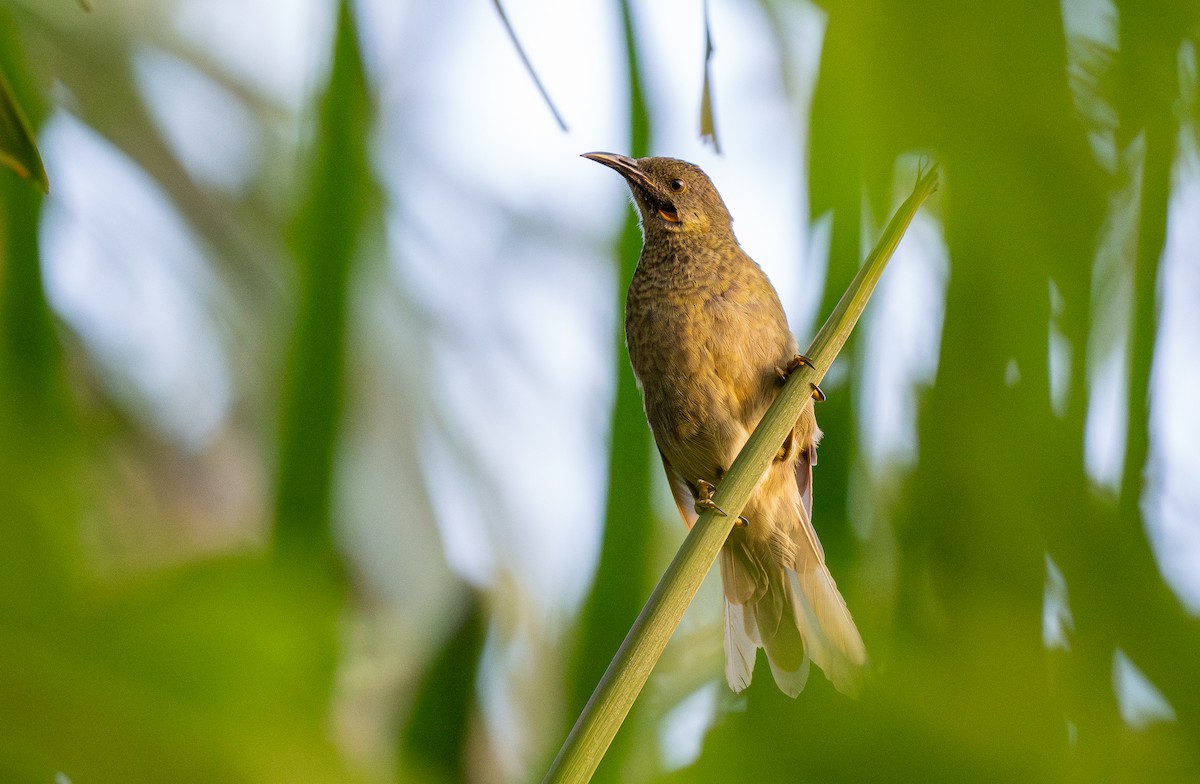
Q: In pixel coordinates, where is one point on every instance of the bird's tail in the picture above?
(795, 615)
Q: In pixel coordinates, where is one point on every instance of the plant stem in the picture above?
(630, 668)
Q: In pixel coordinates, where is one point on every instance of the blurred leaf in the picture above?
(1150, 63)
(964, 687)
(18, 151)
(708, 128)
(438, 728)
(92, 57)
(210, 674)
(38, 431)
(327, 229)
(624, 573)
(216, 672)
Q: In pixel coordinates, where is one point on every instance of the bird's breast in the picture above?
(704, 343)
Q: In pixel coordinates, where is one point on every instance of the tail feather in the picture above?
(742, 575)
(784, 645)
(740, 648)
(795, 616)
(830, 636)
(765, 623)
(790, 682)
(779, 593)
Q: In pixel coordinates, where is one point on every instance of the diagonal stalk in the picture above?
(626, 675)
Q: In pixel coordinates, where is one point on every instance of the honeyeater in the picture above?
(710, 347)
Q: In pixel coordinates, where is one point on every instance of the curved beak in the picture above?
(625, 166)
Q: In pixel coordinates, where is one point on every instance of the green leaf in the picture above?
(326, 232)
(18, 151)
(625, 568)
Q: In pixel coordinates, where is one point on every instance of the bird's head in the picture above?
(672, 195)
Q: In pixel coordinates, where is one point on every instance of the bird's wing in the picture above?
(682, 493)
(804, 466)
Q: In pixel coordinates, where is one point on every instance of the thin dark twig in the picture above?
(708, 128)
(512, 34)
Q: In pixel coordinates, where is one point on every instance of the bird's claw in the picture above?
(795, 362)
(793, 365)
(704, 504)
(704, 500)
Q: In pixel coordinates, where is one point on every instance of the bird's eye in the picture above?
(678, 186)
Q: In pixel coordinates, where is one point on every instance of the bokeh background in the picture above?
(320, 459)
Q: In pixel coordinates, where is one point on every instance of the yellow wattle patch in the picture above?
(668, 215)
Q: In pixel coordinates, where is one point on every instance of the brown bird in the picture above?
(710, 347)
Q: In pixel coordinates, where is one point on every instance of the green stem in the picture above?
(626, 675)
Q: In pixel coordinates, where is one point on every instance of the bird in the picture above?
(710, 347)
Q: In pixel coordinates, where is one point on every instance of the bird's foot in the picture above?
(793, 365)
(704, 502)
